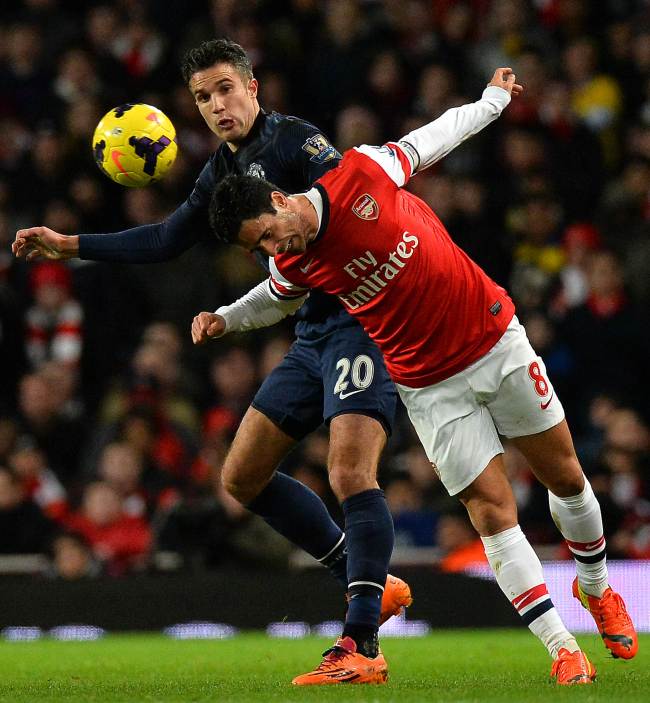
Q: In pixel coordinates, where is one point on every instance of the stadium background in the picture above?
(113, 428)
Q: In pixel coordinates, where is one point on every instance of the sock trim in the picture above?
(502, 540)
(527, 598)
(592, 559)
(333, 549)
(586, 548)
(365, 583)
(578, 500)
(537, 611)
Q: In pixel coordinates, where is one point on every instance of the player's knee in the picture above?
(347, 479)
(240, 488)
(568, 480)
(491, 516)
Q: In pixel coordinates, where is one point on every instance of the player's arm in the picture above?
(424, 146)
(260, 307)
(435, 140)
(145, 244)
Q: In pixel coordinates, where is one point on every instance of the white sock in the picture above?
(519, 574)
(579, 520)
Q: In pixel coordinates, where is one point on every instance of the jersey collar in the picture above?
(317, 196)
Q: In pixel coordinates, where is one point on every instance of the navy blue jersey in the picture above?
(288, 152)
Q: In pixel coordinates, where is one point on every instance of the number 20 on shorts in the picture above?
(360, 371)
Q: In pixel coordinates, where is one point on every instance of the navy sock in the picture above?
(297, 513)
(369, 536)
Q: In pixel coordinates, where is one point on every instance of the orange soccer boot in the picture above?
(396, 597)
(612, 619)
(343, 664)
(571, 668)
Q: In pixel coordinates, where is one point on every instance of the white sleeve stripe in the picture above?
(276, 275)
(282, 293)
(280, 287)
(388, 157)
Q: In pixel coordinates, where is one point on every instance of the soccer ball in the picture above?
(135, 144)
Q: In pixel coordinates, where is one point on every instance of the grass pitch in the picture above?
(460, 666)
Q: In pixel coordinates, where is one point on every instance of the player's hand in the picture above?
(207, 325)
(505, 78)
(45, 243)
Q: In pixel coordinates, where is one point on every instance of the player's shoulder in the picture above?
(288, 123)
(295, 134)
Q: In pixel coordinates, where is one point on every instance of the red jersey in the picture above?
(389, 259)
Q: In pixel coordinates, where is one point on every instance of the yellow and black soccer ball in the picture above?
(135, 144)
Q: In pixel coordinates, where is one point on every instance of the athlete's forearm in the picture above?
(258, 308)
(435, 140)
(139, 245)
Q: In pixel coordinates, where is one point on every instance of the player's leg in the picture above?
(461, 441)
(359, 402)
(573, 505)
(287, 406)
(526, 409)
(257, 448)
(577, 514)
(356, 443)
(493, 511)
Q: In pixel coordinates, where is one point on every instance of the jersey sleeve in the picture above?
(430, 143)
(306, 151)
(424, 146)
(258, 308)
(396, 159)
(161, 241)
(280, 287)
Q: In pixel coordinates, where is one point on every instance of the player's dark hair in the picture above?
(214, 51)
(235, 199)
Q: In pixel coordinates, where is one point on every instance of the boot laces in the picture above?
(332, 657)
(618, 611)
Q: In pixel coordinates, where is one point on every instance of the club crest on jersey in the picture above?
(256, 170)
(319, 149)
(365, 207)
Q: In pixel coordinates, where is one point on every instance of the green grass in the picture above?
(459, 666)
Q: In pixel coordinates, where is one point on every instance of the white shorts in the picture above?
(459, 420)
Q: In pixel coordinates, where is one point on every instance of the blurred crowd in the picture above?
(113, 428)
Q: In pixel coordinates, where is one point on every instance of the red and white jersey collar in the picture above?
(316, 199)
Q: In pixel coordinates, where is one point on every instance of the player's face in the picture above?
(226, 100)
(287, 231)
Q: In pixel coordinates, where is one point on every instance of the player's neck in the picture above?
(309, 215)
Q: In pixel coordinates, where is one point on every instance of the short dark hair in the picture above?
(239, 198)
(214, 51)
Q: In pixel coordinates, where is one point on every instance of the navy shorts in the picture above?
(340, 373)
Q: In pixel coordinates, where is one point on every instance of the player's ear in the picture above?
(252, 87)
(279, 200)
